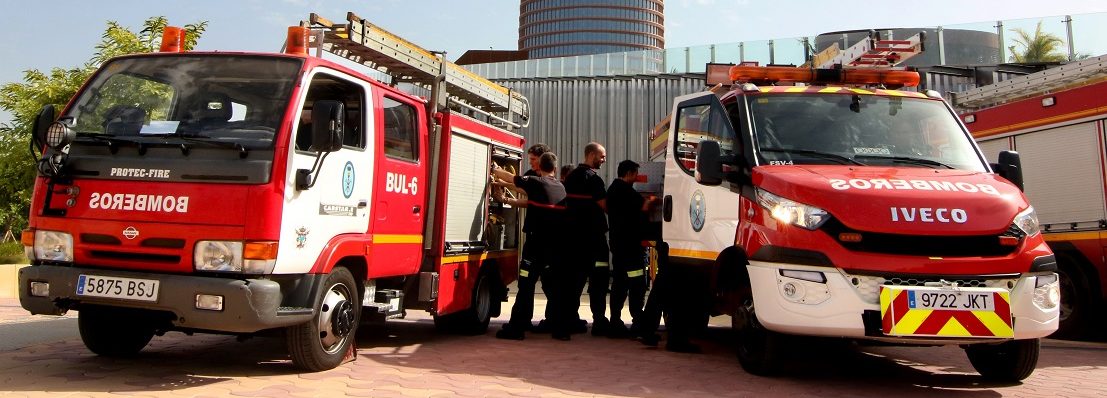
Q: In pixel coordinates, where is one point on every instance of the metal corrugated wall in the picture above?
(617, 111)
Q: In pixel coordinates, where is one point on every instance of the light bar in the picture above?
(890, 77)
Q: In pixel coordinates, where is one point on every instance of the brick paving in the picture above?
(407, 358)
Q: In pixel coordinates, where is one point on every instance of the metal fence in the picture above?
(1080, 36)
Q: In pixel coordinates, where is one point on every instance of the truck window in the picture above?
(697, 123)
(401, 138)
(352, 96)
(227, 98)
(866, 129)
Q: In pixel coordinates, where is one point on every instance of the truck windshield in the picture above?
(859, 130)
(232, 99)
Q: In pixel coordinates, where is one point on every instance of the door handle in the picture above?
(416, 209)
(667, 208)
(362, 203)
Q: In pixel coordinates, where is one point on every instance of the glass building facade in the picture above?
(562, 28)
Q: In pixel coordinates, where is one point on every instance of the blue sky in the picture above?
(63, 33)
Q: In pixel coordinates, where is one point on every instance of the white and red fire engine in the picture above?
(238, 193)
(1055, 120)
(837, 209)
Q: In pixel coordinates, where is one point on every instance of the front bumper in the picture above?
(249, 305)
(840, 306)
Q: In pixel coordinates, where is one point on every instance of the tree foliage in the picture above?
(24, 100)
(1037, 47)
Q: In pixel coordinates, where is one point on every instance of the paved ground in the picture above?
(407, 358)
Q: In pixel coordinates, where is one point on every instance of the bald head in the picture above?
(594, 155)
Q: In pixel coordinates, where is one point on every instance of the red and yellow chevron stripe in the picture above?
(900, 320)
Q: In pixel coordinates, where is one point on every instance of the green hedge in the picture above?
(12, 253)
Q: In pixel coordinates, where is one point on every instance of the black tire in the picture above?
(475, 319)
(322, 343)
(1076, 302)
(114, 331)
(757, 347)
(1011, 361)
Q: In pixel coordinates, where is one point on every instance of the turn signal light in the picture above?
(259, 251)
(172, 39)
(849, 237)
(297, 40)
(27, 238)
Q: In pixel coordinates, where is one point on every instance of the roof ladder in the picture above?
(1039, 83)
(364, 43)
(872, 52)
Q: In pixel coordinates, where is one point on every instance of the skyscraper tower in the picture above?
(562, 28)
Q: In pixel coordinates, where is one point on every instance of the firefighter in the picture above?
(626, 212)
(665, 298)
(586, 203)
(565, 170)
(545, 204)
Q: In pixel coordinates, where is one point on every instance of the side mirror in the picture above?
(709, 166)
(326, 125)
(1009, 166)
(41, 124)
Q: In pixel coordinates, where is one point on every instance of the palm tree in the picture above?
(1037, 47)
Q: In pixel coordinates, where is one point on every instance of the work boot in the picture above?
(543, 326)
(580, 326)
(682, 347)
(510, 333)
(599, 327)
(617, 330)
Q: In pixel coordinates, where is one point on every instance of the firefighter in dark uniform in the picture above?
(545, 212)
(586, 203)
(626, 215)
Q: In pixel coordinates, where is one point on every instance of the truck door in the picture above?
(401, 186)
(700, 220)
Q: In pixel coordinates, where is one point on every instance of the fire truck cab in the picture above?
(831, 208)
(246, 192)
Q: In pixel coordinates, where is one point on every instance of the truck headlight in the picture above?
(217, 256)
(791, 212)
(53, 246)
(1027, 221)
(235, 256)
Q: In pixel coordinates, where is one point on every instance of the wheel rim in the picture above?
(336, 318)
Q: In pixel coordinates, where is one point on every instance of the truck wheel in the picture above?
(322, 343)
(1011, 361)
(757, 347)
(1075, 302)
(113, 331)
(473, 320)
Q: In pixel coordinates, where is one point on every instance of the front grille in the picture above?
(924, 245)
(868, 286)
(165, 243)
(100, 239)
(154, 258)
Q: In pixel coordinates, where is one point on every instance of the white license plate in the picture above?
(951, 300)
(119, 288)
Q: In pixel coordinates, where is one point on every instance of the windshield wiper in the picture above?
(808, 152)
(908, 159)
(200, 139)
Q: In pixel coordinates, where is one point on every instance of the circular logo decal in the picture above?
(697, 210)
(348, 180)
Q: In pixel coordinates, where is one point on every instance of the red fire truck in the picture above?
(240, 193)
(840, 210)
(1055, 120)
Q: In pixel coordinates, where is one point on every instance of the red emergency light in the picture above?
(172, 39)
